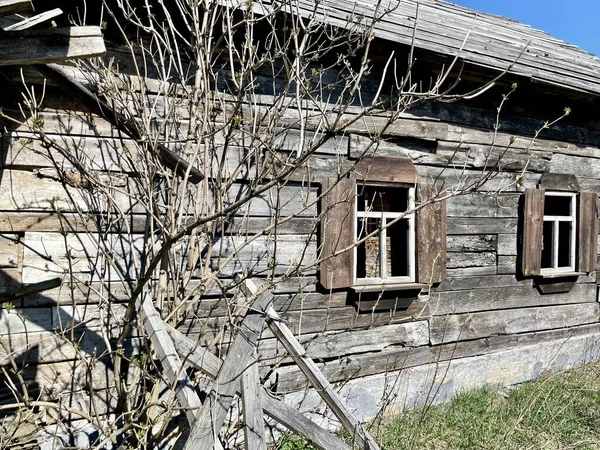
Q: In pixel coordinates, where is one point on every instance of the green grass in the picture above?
(559, 411)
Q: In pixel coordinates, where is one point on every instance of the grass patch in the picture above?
(557, 411)
(552, 412)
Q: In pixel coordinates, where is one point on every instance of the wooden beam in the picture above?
(169, 359)
(209, 364)
(239, 358)
(48, 46)
(8, 7)
(254, 424)
(99, 107)
(35, 20)
(310, 370)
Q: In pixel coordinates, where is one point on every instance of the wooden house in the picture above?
(416, 252)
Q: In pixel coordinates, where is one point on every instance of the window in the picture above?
(358, 251)
(385, 234)
(560, 232)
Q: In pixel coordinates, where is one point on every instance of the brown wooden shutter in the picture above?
(337, 233)
(431, 237)
(533, 218)
(587, 232)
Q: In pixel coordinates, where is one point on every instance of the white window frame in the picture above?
(358, 215)
(572, 218)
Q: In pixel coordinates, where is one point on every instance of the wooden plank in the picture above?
(461, 327)
(24, 191)
(290, 378)
(318, 381)
(495, 298)
(214, 411)
(482, 282)
(477, 225)
(431, 235)
(209, 364)
(8, 7)
(47, 46)
(465, 272)
(254, 426)
(34, 20)
(481, 205)
(474, 243)
(471, 259)
(169, 359)
(338, 233)
(531, 252)
(81, 93)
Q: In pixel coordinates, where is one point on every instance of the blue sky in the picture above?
(574, 21)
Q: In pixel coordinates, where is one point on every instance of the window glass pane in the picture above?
(557, 205)
(547, 243)
(382, 199)
(564, 244)
(367, 253)
(398, 249)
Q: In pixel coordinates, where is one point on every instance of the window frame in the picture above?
(573, 244)
(586, 226)
(338, 225)
(411, 217)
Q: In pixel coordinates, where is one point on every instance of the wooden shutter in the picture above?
(587, 232)
(533, 218)
(337, 233)
(431, 237)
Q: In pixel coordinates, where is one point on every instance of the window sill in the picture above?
(560, 274)
(385, 287)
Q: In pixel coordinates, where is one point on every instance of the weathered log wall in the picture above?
(483, 314)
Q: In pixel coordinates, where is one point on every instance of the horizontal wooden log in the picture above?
(47, 46)
(289, 378)
(470, 259)
(465, 272)
(223, 307)
(474, 156)
(475, 243)
(462, 327)
(51, 379)
(457, 180)
(338, 344)
(481, 205)
(47, 346)
(482, 282)
(494, 298)
(24, 191)
(475, 225)
(50, 255)
(262, 256)
(579, 165)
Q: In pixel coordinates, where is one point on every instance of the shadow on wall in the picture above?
(55, 353)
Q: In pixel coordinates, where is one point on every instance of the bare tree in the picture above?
(228, 118)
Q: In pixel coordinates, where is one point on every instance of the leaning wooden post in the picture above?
(239, 357)
(276, 409)
(311, 371)
(254, 424)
